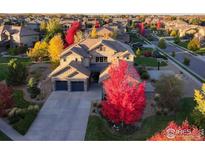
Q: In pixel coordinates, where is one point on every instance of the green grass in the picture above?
(22, 123)
(98, 128)
(3, 137)
(148, 61)
(183, 44)
(3, 65)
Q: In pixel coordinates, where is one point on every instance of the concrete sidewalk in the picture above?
(10, 132)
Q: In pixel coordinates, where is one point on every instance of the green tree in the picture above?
(17, 72)
(173, 53)
(162, 43)
(169, 89)
(177, 39)
(186, 61)
(194, 44)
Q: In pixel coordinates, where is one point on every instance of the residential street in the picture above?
(197, 65)
(64, 116)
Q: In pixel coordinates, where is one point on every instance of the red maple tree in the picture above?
(158, 25)
(125, 95)
(141, 28)
(174, 132)
(97, 24)
(71, 32)
(6, 100)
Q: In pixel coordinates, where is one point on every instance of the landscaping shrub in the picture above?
(173, 33)
(6, 99)
(32, 87)
(147, 54)
(138, 52)
(144, 76)
(141, 70)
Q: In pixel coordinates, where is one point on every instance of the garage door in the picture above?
(61, 85)
(77, 86)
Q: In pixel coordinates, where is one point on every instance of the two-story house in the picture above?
(82, 63)
(18, 35)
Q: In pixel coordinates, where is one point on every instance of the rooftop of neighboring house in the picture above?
(17, 30)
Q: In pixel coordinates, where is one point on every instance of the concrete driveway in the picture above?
(64, 116)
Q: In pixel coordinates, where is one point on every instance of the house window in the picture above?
(101, 59)
(76, 59)
(64, 59)
(128, 58)
(97, 59)
(105, 59)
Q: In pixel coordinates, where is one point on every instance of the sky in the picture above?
(103, 6)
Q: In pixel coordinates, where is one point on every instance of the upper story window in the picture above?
(101, 59)
(97, 59)
(64, 59)
(76, 59)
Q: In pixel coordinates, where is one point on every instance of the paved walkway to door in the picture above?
(64, 116)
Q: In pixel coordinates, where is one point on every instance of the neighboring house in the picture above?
(18, 35)
(105, 31)
(33, 25)
(82, 64)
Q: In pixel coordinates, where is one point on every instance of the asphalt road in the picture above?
(196, 64)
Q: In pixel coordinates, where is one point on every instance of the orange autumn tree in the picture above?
(174, 132)
(55, 48)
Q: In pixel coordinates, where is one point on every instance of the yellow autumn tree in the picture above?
(93, 32)
(55, 48)
(79, 36)
(39, 51)
(199, 97)
(43, 26)
(53, 25)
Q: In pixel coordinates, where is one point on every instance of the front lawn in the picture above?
(23, 122)
(98, 128)
(3, 137)
(148, 61)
